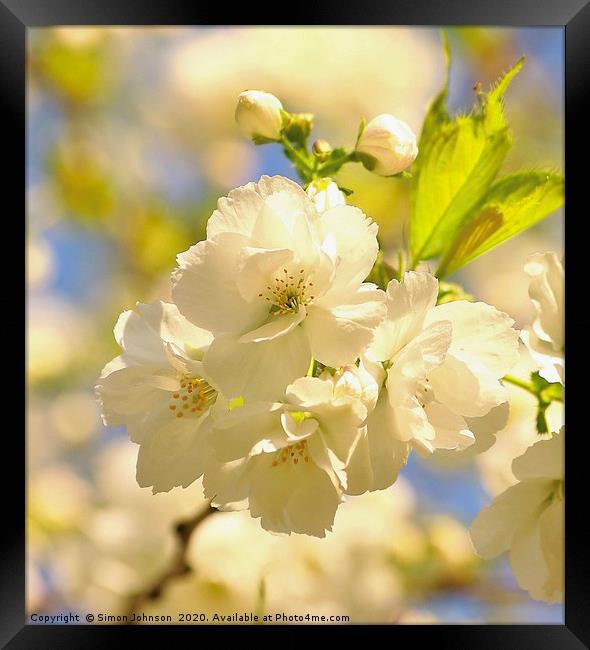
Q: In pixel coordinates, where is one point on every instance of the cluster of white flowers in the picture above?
(286, 380)
(528, 518)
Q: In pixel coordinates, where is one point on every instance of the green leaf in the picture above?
(462, 163)
(493, 107)
(513, 204)
(457, 162)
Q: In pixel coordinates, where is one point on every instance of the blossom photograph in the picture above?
(295, 332)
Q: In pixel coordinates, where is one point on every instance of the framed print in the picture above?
(295, 322)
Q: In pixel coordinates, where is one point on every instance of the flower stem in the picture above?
(333, 165)
(297, 157)
(521, 383)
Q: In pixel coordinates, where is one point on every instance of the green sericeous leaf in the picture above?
(457, 162)
(512, 204)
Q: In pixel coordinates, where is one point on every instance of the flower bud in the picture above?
(387, 145)
(356, 382)
(325, 194)
(259, 115)
(321, 149)
(298, 127)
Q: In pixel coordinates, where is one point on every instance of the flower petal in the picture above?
(526, 558)
(487, 426)
(326, 460)
(287, 220)
(140, 342)
(412, 425)
(173, 455)
(379, 454)
(239, 210)
(550, 362)
(205, 289)
(297, 430)
(292, 498)
(237, 432)
(277, 325)
(172, 327)
(544, 459)
(355, 235)
(257, 370)
(340, 424)
(227, 484)
(308, 392)
(407, 305)
(546, 290)
(255, 266)
(418, 359)
(482, 335)
(339, 334)
(468, 389)
(179, 362)
(133, 391)
(494, 527)
(410, 368)
(452, 432)
(551, 529)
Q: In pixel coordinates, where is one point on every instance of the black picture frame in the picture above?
(574, 16)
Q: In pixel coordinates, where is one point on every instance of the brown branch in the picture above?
(178, 565)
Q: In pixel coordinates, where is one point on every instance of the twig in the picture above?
(178, 565)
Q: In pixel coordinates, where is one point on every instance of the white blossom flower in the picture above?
(286, 461)
(325, 194)
(545, 339)
(259, 115)
(527, 521)
(158, 388)
(387, 145)
(277, 284)
(357, 383)
(438, 367)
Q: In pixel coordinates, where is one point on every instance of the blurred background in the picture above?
(131, 140)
